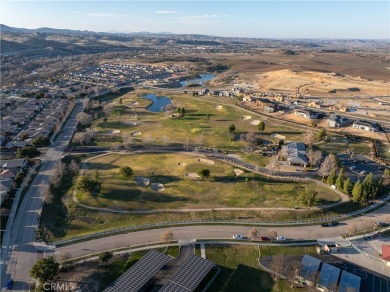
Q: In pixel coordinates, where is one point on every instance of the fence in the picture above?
(197, 222)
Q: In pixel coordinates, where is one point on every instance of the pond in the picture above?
(159, 103)
(203, 78)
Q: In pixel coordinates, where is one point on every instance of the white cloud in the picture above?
(166, 11)
(101, 14)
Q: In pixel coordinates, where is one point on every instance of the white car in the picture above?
(237, 236)
(280, 238)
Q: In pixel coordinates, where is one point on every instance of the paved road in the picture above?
(18, 253)
(216, 231)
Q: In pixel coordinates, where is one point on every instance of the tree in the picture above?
(272, 234)
(261, 126)
(86, 104)
(308, 197)
(313, 124)
(340, 180)
(277, 264)
(167, 236)
(183, 111)
(336, 159)
(41, 141)
(254, 233)
(273, 163)
(386, 173)
(321, 134)
(28, 151)
(84, 119)
(203, 172)
(83, 138)
(292, 271)
(347, 188)
(309, 139)
(232, 128)
(332, 177)
(367, 187)
(105, 256)
(45, 269)
(314, 157)
(126, 171)
(357, 192)
(87, 183)
(327, 166)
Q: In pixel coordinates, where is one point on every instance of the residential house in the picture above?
(5, 186)
(295, 153)
(303, 113)
(364, 125)
(8, 174)
(336, 121)
(14, 164)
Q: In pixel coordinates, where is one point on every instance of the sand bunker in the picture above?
(255, 122)
(207, 161)
(277, 136)
(113, 131)
(142, 181)
(134, 103)
(182, 163)
(238, 171)
(192, 175)
(157, 187)
(246, 117)
(218, 107)
(135, 133)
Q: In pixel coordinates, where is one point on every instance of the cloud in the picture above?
(101, 14)
(166, 11)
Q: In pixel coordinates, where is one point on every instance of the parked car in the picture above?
(325, 224)
(334, 223)
(381, 224)
(237, 236)
(280, 238)
(9, 285)
(264, 238)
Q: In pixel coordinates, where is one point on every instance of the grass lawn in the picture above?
(339, 146)
(240, 269)
(384, 149)
(227, 190)
(203, 124)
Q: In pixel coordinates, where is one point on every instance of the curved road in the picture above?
(216, 231)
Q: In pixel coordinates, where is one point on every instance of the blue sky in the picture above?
(268, 19)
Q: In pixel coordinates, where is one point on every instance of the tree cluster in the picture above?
(89, 184)
(41, 141)
(203, 172)
(126, 171)
(27, 152)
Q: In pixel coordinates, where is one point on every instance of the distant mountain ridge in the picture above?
(10, 29)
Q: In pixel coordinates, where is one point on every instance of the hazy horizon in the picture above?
(251, 19)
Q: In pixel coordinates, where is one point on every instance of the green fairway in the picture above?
(174, 171)
(205, 123)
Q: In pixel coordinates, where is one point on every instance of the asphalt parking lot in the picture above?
(370, 280)
(359, 166)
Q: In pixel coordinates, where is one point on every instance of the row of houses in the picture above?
(336, 121)
(22, 115)
(42, 125)
(8, 173)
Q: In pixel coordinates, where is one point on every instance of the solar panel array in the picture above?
(189, 276)
(329, 277)
(349, 282)
(140, 273)
(309, 267)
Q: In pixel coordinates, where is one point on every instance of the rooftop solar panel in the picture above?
(140, 273)
(329, 277)
(189, 276)
(349, 282)
(309, 267)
